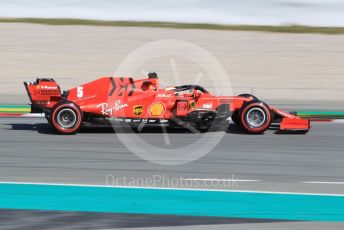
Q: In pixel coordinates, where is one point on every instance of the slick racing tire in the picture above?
(66, 118)
(255, 117)
(236, 114)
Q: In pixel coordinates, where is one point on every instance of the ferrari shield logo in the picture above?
(138, 110)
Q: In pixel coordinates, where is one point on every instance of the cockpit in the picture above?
(187, 90)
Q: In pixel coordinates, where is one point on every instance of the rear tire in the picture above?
(255, 117)
(66, 118)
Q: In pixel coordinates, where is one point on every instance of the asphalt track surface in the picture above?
(25, 219)
(31, 152)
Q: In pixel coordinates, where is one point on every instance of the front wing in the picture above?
(290, 122)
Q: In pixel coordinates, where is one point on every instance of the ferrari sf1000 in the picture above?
(126, 101)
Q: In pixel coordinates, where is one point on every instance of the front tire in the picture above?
(66, 118)
(255, 117)
(236, 114)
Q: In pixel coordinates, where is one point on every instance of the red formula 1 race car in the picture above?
(125, 101)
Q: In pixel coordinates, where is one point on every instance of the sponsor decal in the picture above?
(207, 106)
(44, 90)
(46, 93)
(138, 120)
(166, 95)
(157, 109)
(119, 105)
(138, 110)
(108, 111)
(44, 87)
(145, 121)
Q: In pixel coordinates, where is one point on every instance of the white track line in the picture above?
(181, 189)
(341, 121)
(218, 180)
(338, 121)
(33, 115)
(323, 182)
(29, 115)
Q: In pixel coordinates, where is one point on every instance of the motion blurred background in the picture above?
(251, 12)
(301, 66)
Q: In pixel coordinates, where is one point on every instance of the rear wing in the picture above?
(43, 93)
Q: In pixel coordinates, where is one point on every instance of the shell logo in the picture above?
(157, 109)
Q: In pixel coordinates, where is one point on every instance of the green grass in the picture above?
(279, 29)
(321, 114)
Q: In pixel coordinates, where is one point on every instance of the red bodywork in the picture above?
(137, 100)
